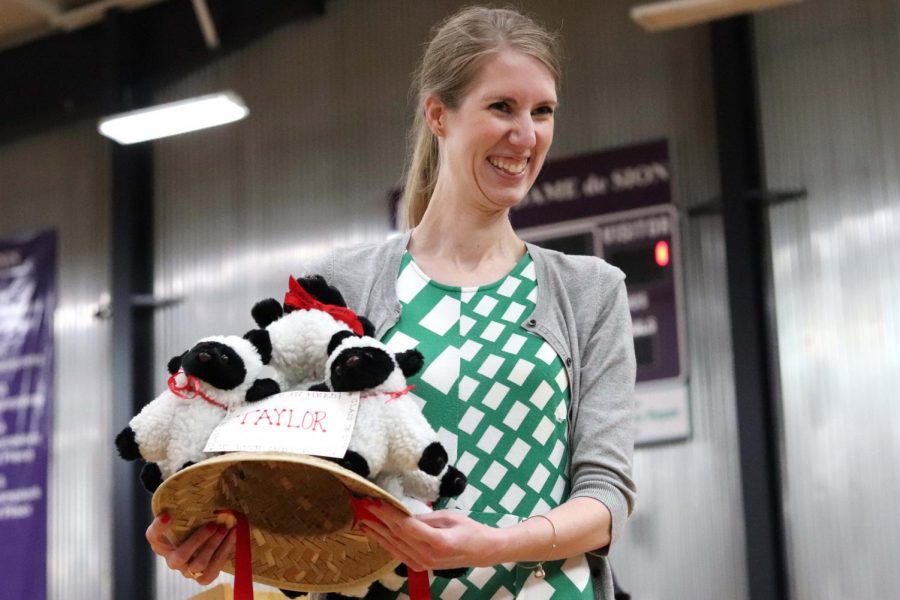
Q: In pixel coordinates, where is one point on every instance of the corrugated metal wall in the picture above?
(242, 206)
(830, 92)
(60, 180)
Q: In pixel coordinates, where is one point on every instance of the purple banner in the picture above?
(597, 184)
(27, 299)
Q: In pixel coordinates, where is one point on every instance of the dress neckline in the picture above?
(519, 266)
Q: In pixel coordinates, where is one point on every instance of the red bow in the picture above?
(191, 389)
(299, 298)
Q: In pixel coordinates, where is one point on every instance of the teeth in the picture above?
(513, 167)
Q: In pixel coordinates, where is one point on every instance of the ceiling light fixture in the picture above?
(662, 16)
(173, 118)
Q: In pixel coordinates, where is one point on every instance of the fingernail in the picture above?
(165, 518)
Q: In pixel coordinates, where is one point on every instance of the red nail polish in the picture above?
(211, 526)
(165, 518)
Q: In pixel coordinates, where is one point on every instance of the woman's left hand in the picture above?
(439, 540)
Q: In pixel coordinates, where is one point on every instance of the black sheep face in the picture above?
(360, 368)
(215, 363)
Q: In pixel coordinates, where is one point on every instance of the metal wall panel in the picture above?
(60, 180)
(242, 206)
(830, 89)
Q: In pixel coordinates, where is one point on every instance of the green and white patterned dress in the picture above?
(497, 395)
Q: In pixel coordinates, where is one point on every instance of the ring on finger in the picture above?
(194, 574)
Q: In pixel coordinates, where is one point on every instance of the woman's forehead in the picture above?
(510, 75)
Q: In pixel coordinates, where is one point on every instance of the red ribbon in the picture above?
(418, 586)
(243, 561)
(191, 390)
(360, 508)
(391, 396)
(299, 298)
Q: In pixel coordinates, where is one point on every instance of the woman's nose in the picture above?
(523, 133)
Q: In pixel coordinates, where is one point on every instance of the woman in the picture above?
(529, 355)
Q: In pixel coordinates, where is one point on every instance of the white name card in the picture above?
(318, 423)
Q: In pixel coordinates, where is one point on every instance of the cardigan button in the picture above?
(532, 322)
(569, 361)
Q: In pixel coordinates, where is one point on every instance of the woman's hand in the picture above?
(439, 540)
(201, 556)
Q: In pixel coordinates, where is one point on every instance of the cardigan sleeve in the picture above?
(603, 436)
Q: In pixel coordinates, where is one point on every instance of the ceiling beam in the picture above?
(44, 8)
(207, 26)
(82, 16)
(671, 14)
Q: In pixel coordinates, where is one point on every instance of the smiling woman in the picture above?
(530, 364)
(529, 359)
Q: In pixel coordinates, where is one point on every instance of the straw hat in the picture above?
(299, 511)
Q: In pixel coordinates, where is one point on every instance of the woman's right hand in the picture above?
(199, 557)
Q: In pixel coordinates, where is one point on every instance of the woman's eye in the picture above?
(544, 110)
(501, 106)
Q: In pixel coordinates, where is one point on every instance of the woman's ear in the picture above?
(435, 114)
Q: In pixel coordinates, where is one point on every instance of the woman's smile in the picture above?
(509, 166)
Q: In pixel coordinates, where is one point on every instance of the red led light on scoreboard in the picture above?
(661, 253)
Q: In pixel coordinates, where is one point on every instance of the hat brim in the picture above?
(299, 511)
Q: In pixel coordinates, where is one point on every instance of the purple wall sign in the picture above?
(27, 299)
(597, 184)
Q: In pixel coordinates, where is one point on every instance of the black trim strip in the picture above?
(747, 252)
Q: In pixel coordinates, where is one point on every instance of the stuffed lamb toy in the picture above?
(391, 436)
(216, 376)
(301, 330)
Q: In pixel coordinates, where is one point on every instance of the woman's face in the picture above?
(494, 144)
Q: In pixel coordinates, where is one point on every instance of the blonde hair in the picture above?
(451, 60)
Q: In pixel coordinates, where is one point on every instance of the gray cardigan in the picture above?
(582, 312)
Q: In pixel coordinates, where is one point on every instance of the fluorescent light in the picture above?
(661, 16)
(173, 118)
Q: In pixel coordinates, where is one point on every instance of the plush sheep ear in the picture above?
(127, 446)
(368, 328)
(410, 362)
(266, 311)
(262, 388)
(262, 342)
(175, 363)
(337, 338)
(319, 289)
